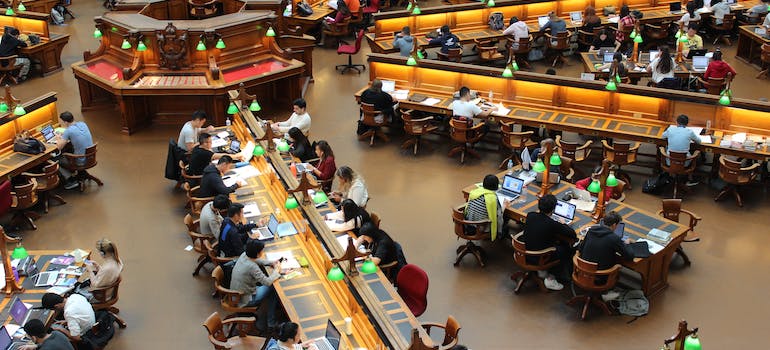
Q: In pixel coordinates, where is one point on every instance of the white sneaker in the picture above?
(552, 284)
(611, 295)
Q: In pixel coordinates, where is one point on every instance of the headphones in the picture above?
(103, 245)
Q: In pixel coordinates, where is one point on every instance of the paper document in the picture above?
(501, 198)
(335, 225)
(246, 172)
(223, 134)
(430, 101)
(217, 142)
(615, 19)
(696, 129)
(388, 85)
(230, 180)
(705, 139)
(501, 110)
(251, 209)
(654, 247)
(288, 264)
(401, 94)
(582, 205)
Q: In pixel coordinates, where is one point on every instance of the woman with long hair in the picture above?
(108, 272)
(662, 67)
(351, 186)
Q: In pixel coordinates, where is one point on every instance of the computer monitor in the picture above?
(235, 146)
(675, 7)
(700, 62)
(542, 20)
(576, 16)
(608, 57)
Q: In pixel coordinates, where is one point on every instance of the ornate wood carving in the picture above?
(172, 44)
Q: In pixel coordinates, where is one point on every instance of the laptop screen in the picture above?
(5, 338)
(608, 57)
(576, 16)
(542, 20)
(272, 224)
(235, 145)
(565, 210)
(619, 230)
(700, 62)
(18, 311)
(675, 6)
(513, 184)
(332, 335)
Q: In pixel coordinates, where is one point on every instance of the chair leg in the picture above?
(92, 178)
(730, 189)
(684, 256)
(762, 74)
(581, 299)
(471, 248)
(598, 301)
(121, 323)
(522, 277)
(201, 262)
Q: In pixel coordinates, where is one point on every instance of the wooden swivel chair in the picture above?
(451, 331)
(203, 9)
(345, 48)
(573, 150)
(735, 176)
(516, 142)
(672, 210)
(531, 261)
(105, 298)
(656, 35)
(416, 128)
(230, 298)
(713, 86)
(23, 198)
(678, 165)
(466, 136)
(452, 55)
(619, 191)
(412, 285)
(218, 336)
(193, 229)
(196, 203)
(487, 50)
(585, 276)
(557, 45)
(470, 231)
(722, 31)
(765, 57)
(47, 182)
(9, 70)
(338, 30)
(374, 120)
(567, 170)
(620, 154)
(586, 39)
(193, 180)
(521, 50)
(82, 175)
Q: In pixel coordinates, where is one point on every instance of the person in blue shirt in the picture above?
(446, 39)
(404, 42)
(78, 135)
(678, 138)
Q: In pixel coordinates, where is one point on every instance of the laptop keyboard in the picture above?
(323, 344)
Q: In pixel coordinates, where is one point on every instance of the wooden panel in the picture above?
(748, 121)
(472, 18)
(573, 5)
(540, 9)
(697, 112)
(534, 92)
(631, 104)
(591, 100)
(600, 4)
(26, 25)
(484, 86)
(386, 28)
(437, 80)
(424, 24)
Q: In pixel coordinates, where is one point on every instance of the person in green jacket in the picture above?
(483, 205)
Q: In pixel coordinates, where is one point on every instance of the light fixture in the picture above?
(141, 46)
(611, 86)
(638, 39)
(411, 61)
(416, 10)
(617, 78)
(409, 6)
(201, 46)
(283, 146)
(612, 181)
(19, 252)
(320, 197)
(3, 107)
(19, 110)
(678, 34)
(114, 29)
(21, 7)
(420, 55)
(291, 203)
(683, 39)
(515, 65)
(126, 45)
(539, 166)
(633, 34)
(270, 32)
(368, 266)
(335, 274)
(555, 159)
(254, 106)
(232, 108)
(97, 33)
(258, 150)
(9, 11)
(594, 187)
(692, 342)
(724, 98)
(220, 44)
(491, 3)
(507, 72)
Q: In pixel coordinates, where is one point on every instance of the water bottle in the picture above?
(708, 126)
(490, 96)
(228, 122)
(510, 167)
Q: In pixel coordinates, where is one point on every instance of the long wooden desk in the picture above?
(40, 111)
(48, 51)
(380, 317)
(653, 270)
(320, 11)
(591, 59)
(750, 45)
(560, 103)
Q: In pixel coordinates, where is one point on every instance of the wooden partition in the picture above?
(48, 51)
(41, 111)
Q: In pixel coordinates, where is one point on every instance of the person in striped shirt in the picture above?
(482, 205)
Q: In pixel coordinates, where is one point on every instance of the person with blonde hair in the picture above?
(108, 272)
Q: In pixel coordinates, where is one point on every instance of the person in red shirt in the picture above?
(326, 167)
(354, 6)
(584, 183)
(718, 68)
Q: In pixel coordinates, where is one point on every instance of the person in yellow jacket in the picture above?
(483, 205)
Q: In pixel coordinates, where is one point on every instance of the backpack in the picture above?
(656, 183)
(633, 303)
(100, 334)
(303, 9)
(28, 145)
(496, 21)
(56, 16)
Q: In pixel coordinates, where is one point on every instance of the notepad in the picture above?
(288, 264)
(401, 94)
(430, 101)
(501, 110)
(251, 209)
(388, 85)
(705, 139)
(246, 172)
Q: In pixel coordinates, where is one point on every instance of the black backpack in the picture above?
(29, 145)
(100, 334)
(656, 183)
(303, 9)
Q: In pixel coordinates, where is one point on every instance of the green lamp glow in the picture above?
(19, 110)
(692, 342)
(19, 252)
(320, 197)
(368, 266)
(21, 7)
(416, 10)
(507, 73)
(514, 65)
(97, 33)
(539, 166)
(232, 108)
(611, 86)
(633, 34)
(683, 39)
(555, 159)
(335, 274)
(724, 100)
(594, 187)
(220, 44)
(201, 46)
(638, 39)
(612, 181)
(420, 55)
(409, 7)
(617, 78)
(291, 203)
(283, 146)
(491, 3)
(3, 107)
(254, 106)
(9, 11)
(411, 61)
(270, 32)
(258, 151)
(114, 29)
(126, 45)
(141, 46)
(678, 34)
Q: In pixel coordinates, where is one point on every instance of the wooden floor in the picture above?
(724, 292)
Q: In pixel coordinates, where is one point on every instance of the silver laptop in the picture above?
(564, 212)
(301, 167)
(700, 63)
(330, 341)
(7, 342)
(608, 56)
(48, 133)
(542, 20)
(46, 279)
(20, 313)
(576, 17)
(512, 187)
(269, 231)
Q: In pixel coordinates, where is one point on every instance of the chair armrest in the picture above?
(663, 153)
(430, 325)
(240, 320)
(585, 33)
(32, 174)
(476, 127)
(542, 251)
(748, 168)
(634, 147)
(612, 270)
(691, 214)
(423, 119)
(584, 146)
(607, 145)
(694, 155)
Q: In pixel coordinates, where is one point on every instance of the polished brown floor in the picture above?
(724, 292)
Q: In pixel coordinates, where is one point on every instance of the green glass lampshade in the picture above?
(555, 159)
(232, 108)
(416, 10)
(491, 3)
(692, 342)
(678, 34)
(411, 61)
(254, 106)
(514, 65)
(409, 7)
(320, 197)
(611, 86)
(9, 11)
(291, 203)
(420, 55)
(724, 100)
(594, 187)
(126, 45)
(507, 72)
(19, 252)
(258, 151)
(283, 146)
(141, 46)
(368, 266)
(617, 78)
(539, 166)
(21, 7)
(638, 39)
(19, 110)
(97, 33)
(201, 46)
(220, 44)
(335, 274)
(633, 34)
(683, 39)
(612, 181)
(270, 32)
(114, 29)
(3, 107)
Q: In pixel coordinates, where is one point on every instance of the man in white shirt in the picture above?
(299, 119)
(464, 109)
(188, 136)
(518, 29)
(78, 313)
(211, 216)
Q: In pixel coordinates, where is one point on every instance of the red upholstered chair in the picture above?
(5, 197)
(368, 11)
(350, 50)
(412, 284)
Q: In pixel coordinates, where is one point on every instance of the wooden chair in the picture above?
(678, 164)
(375, 218)
(9, 70)
(567, 170)
(557, 45)
(514, 141)
(23, 198)
(212, 251)
(573, 150)
(452, 55)
(620, 154)
(219, 337)
(585, 277)
(735, 176)
(714, 86)
(672, 210)
(47, 181)
(416, 128)
(357, 20)
(196, 203)
(201, 10)
(586, 39)
(82, 170)
(765, 57)
(338, 30)
(722, 31)
(487, 50)
(619, 191)
(412, 286)
(229, 298)
(375, 120)
(545, 259)
(193, 180)
(470, 231)
(193, 229)
(465, 135)
(656, 35)
(521, 50)
(105, 298)
(451, 331)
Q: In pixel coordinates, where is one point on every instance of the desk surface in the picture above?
(14, 163)
(749, 31)
(591, 59)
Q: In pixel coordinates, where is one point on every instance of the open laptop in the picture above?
(542, 20)
(7, 342)
(235, 147)
(301, 167)
(607, 58)
(675, 8)
(576, 17)
(330, 341)
(696, 52)
(512, 187)
(700, 63)
(48, 133)
(269, 231)
(20, 313)
(564, 212)
(46, 279)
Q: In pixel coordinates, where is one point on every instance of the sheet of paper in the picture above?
(696, 129)
(388, 85)
(343, 241)
(587, 76)
(705, 139)
(217, 142)
(289, 263)
(401, 94)
(430, 101)
(246, 172)
(613, 19)
(501, 110)
(739, 137)
(251, 209)
(587, 206)
(230, 180)
(335, 226)
(223, 134)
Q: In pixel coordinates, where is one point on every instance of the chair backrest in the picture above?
(90, 158)
(412, 282)
(676, 162)
(5, 197)
(585, 275)
(520, 254)
(714, 86)
(106, 295)
(512, 139)
(359, 37)
(671, 209)
(620, 153)
(730, 171)
(462, 226)
(51, 175)
(460, 131)
(196, 202)
(728, 21)
(213, 325)
(573, 150)
(8, 63)
(371, 115)
(451, 331)
(412, 126)
(452, 55)
(560, 41)
(525, 44)
(486, 49)
(765, 53)
(230, 298)
(25, 194)
(656, 32)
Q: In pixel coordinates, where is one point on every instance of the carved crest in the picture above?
(173, 47)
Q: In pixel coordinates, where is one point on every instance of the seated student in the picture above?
(602, 40)
(108, 272)
(718, 68)
(626, 20)
(202, 155)
(9, 46)
(517, 29)
(351, 186)
(381, 100)
(591, 20)
(189, 133)
(601, 244)
(211, 216)
(446, 39)
(690, 15)
(351, 215)
(78, 314)
(719, 8)
(384, 249)
(299, 118)
(234, 233)
(300, 145)
(757, 11)
(79, 136)
(619, 62)
(482, 205)
(584, 183)
(343, 13)
(256, 286)
(326, 167)
(543, 232)
(555, 24)
(694, 41)
(662, 67)
(404, 42)
(43, 339)
(212, 183)
(766, 23)
(678, 140)
(464, 109)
